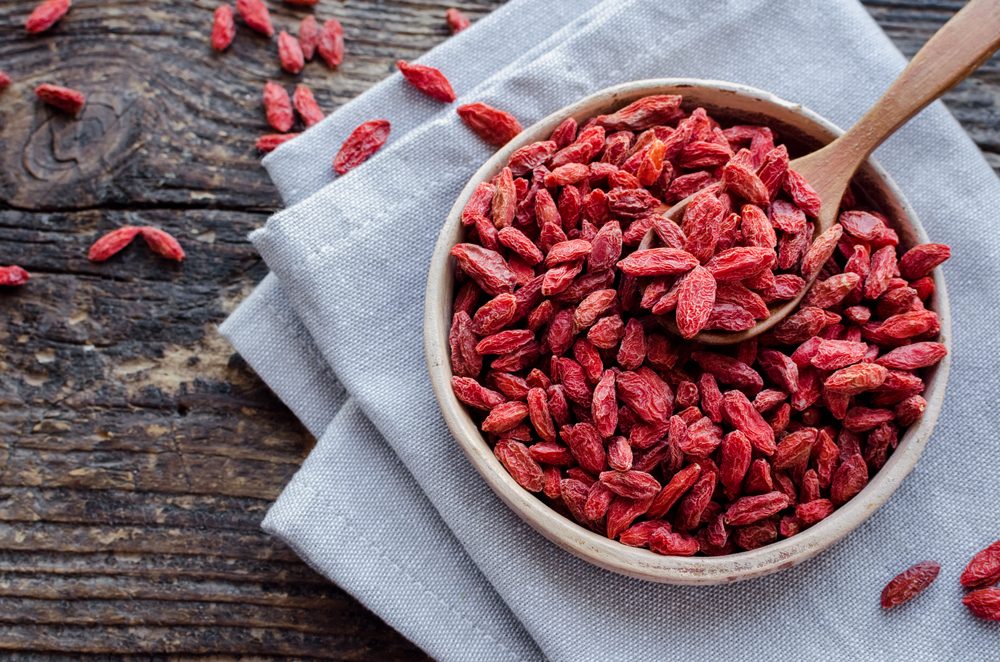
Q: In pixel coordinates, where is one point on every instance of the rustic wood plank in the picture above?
(138, 454)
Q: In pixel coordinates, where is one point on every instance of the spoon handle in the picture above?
(967, 40)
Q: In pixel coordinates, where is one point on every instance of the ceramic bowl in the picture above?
(802, 129)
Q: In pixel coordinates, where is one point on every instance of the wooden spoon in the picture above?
(950, 55)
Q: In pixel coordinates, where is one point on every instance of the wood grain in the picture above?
(138, 454)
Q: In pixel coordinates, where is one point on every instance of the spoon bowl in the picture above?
(804, 131)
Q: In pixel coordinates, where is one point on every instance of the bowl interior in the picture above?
(803, 131)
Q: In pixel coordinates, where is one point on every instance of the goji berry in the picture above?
(309, 36)
(495, 126)
(223, 28)
(331, 43)
(64, 98)
(254, 13)
(750, 509)
(269, 142)
(428, 80)
(112, 243)
(13, 275)
(908, 584)
(518, 462)
(306, 106)
(45, 15)
(984, 568)
(162, 243)
(984, 603)
(290, 53)
(366, 139)
(278, 107)
(456, 20)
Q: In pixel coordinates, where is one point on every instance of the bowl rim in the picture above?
(593, 547)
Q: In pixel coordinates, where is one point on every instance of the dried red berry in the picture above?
(45, 15)
(794, 449)
(518, 462)
(678, 485)
(278, 107)
(849, 479)
(740, 263)
(983, 569)
(495, 126)
(914, 356)
(331, 43)
(269, 142)
(112, 243)
(921, 260)
(505, 416)
(695, 301)
(474, 394)
(456, 20)
(428, 80)
(658, 262)
(505, 342)
(642, 114)
(802, 193)
(64, 98)
(693, 505)
(984, 603)
(223, 28)
(908, 584)
(162, 243)
(13, 275)
(855, 379)
(744, 182)
(366, 139)
(306, 106)
(309, 36)
(630, 484)
(741, 414)
(254, 13)
(586, 446)
(290, 53)
(813, 511)
(663, 541)
(750, 509)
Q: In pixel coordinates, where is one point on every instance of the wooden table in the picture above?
(138, 452)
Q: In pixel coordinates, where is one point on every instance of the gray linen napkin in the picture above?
(831, 57)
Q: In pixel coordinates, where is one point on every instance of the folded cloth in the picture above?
(352, 260)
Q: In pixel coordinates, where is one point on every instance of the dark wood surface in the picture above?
(138, 454)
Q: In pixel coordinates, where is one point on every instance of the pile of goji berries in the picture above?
(559, 348)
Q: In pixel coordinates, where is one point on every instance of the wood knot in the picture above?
(70, 161)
